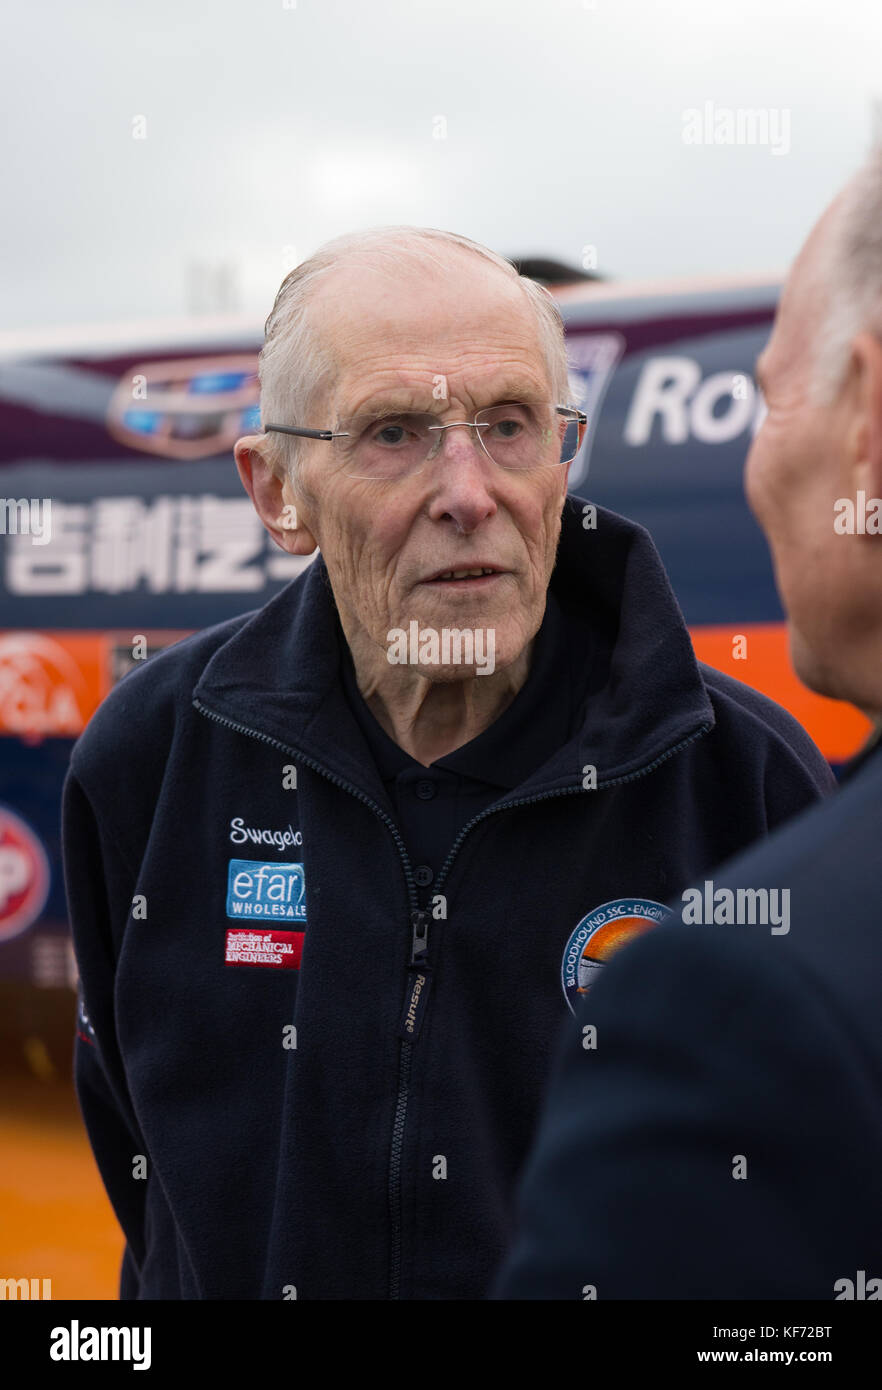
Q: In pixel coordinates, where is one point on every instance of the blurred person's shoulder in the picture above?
(826, 870)
(829, 856)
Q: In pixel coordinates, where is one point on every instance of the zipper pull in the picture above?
(419, 922)
(418, 978)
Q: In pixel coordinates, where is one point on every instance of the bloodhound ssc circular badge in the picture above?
(599, 935)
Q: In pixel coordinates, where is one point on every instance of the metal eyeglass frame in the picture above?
(580, 419)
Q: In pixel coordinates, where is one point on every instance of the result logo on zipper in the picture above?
(419, 977)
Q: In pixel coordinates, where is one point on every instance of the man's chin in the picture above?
(810, 665)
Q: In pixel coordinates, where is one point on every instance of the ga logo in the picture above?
(599, 935)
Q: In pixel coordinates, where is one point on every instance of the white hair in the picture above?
(295, 363)
(850, 277)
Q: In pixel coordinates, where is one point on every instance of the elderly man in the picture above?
(331, 865)
(719, 1136)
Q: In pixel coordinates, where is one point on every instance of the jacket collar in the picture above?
(279, 674)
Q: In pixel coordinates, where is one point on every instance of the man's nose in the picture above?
(461, 477)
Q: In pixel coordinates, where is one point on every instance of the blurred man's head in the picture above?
(821, 442)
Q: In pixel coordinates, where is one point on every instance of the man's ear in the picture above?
(867, 437)
(272, 496)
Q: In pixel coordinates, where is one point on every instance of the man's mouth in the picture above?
(477, 576)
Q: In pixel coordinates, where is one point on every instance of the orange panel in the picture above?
(55, 1217)
(837, 728)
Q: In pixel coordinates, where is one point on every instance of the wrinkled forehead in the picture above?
(464, 322)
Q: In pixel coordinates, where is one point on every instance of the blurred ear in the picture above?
(866, 441)
(272, 496)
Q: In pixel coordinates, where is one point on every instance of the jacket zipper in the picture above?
(417, 974)
(419, 969)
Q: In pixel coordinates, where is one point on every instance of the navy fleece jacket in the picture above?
(302, 1075)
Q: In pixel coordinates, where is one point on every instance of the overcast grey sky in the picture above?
(271, 126)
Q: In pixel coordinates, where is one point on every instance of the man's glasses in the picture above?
(516, 436)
